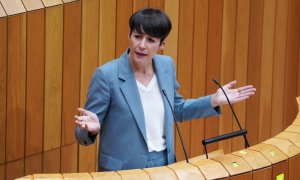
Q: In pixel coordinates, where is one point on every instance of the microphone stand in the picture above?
(241, 132)
(177, 128)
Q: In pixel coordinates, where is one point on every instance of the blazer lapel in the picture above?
(131, 93)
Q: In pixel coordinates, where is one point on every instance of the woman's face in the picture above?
(143, 46)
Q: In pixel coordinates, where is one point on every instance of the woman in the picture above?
(127, 100)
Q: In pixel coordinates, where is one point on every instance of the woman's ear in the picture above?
(162, 45)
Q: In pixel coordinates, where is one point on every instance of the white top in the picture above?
(154, 113)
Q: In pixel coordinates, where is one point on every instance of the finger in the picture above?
(229, 85)
(248, 87)
(85, 112)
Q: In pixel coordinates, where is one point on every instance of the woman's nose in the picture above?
(142, 43)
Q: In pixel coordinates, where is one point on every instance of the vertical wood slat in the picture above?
(71, 69)
(184, 69)
(253, 71)
(240, 67)
(15, 169)
(291, 68)
(35, 82)
(172, 9)
(3, 86)
(266, 70)
(51, 161)
(89, 62)
(124, 11)
(199, 71)
(2, 171)
(33, 164)
(160, 4)
(53, 77)
(13, 6)
(71, 84)
(227, 66)
(107, 34)
(279, 67)
(139, 4)
(16, 78)
(213, 67)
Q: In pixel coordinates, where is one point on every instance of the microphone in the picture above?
(241, 132)
(178, 130)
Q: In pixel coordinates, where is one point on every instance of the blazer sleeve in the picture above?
(98, 99)
(187, 109)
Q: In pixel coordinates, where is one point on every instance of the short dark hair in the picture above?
(151, 21)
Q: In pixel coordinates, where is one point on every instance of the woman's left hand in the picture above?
(234, 95)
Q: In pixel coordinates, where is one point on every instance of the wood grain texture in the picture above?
(291, 66)
(199, 71)
(33, 164)
(279, 67)
(2, 171)
(13, 7)
(31, 5)
(265, 173)
(294, 162)
(254, 68)
(124, 11)
(227, 66)
(184, 70)
(35, 81)
(3, 85)
(240, 64)
(53, 77)
(160, 4)
(89, 62)
(51, 161)
(71, 69)
(69, 159)
(213, 66)
(172, 9)
(266, 73)
(16, 87)
(280, 168)
(15, 169)
(139, 4)
(107, 31)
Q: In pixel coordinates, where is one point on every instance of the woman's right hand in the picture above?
(88, 121)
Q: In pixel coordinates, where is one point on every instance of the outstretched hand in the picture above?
(88, 121)
(234, 95)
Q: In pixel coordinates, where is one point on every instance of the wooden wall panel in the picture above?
(160, 4)
(184, 69)
(51, 161)
(15, 169)
(172, 9)
(140, 4)
(107, 34)
(253, 71)
(279, 66)
(33, 164)
(16, 79)
(71, 69)
(240, 64)
(199, 71)
(71, 84)
(291, 66)
(89, 62)
(3, 85)
(53, 77)
(124, 11)
(227, 66)
(35, 81)
(214, 43)
(69, 158)
(266, 73)
(2, 171)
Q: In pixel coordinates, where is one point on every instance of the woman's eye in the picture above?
(137, 36)
(151, 40)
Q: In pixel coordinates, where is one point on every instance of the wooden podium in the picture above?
(275, 158)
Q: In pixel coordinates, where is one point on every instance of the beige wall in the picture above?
(49, 50)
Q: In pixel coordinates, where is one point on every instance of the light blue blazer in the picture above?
(113, 95)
